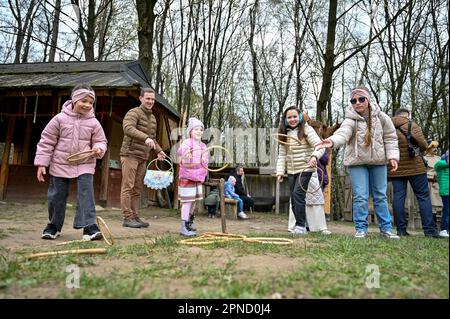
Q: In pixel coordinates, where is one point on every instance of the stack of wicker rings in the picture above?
(211, 238)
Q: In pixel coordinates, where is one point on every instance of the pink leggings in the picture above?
(187, 208)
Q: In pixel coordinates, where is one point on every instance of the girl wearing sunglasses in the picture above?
(371, 143)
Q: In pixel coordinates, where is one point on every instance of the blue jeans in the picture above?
(57, 194)
(240, 203)
(444, 218)
(366, 180)
(419, 184)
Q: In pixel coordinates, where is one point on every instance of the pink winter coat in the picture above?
(68, 133)
(195, 168)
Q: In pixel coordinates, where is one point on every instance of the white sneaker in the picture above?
(360, 234)
(389, 234)
(325, 232)
(291, 230)
(299, 230)
(242, 215)
(443, 233)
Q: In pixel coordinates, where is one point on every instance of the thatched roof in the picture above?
(99, 75)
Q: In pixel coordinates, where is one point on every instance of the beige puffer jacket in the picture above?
(384, 144)
(138, 124)
(294, 158)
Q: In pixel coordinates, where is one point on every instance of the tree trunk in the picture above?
(327, 78)
(257, 98)
(146, 18)
(55, 31)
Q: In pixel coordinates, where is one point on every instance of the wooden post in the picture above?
(5, 158)
(169, 203)
(103, 196)
(175, 187)
(277, 196)
(26, 142)
(327, 192)
(222, 205)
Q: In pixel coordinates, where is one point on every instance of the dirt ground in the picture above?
(22, 223)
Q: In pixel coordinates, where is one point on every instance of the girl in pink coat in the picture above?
(193, 171)
(73, 130)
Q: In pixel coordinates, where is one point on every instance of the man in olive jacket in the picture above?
(139, 128)
(414, 171)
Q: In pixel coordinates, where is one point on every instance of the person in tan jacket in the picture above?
(139, 128)
(371, 143)
(412, 170)
(431, 158)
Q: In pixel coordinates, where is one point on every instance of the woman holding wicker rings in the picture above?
(297, 156)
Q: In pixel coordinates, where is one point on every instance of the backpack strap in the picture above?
(407, 135)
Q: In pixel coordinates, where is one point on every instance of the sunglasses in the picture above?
(361, 99)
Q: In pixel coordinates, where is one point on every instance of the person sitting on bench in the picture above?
(230, 193)
(238, 173)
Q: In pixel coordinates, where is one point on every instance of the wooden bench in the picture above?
(219, 183)
(231, 208)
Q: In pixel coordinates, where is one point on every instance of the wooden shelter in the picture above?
(32, 93)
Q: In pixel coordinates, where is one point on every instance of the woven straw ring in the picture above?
(165, 160)
(221, 168)
(80, 156)
(296, 140)
(300, 181)
(102, 226)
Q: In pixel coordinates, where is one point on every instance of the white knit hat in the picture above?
(192, 123)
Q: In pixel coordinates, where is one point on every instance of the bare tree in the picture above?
(160, 31)
(54, 31)
(22, 23)
(257, 94)
(93, 26)
(146, 19)
(220, 19)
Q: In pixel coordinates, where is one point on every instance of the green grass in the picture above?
(318, 267)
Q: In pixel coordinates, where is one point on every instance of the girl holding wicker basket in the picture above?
(193, 170)
(74, 130)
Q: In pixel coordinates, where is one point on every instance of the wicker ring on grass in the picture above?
(203, 240)
(102, 226)
(216, 234)
(211, 238)
(269, 240)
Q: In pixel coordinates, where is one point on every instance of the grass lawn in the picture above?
(158, 266)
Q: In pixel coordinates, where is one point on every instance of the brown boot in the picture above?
(131, 222)
(144, 224)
